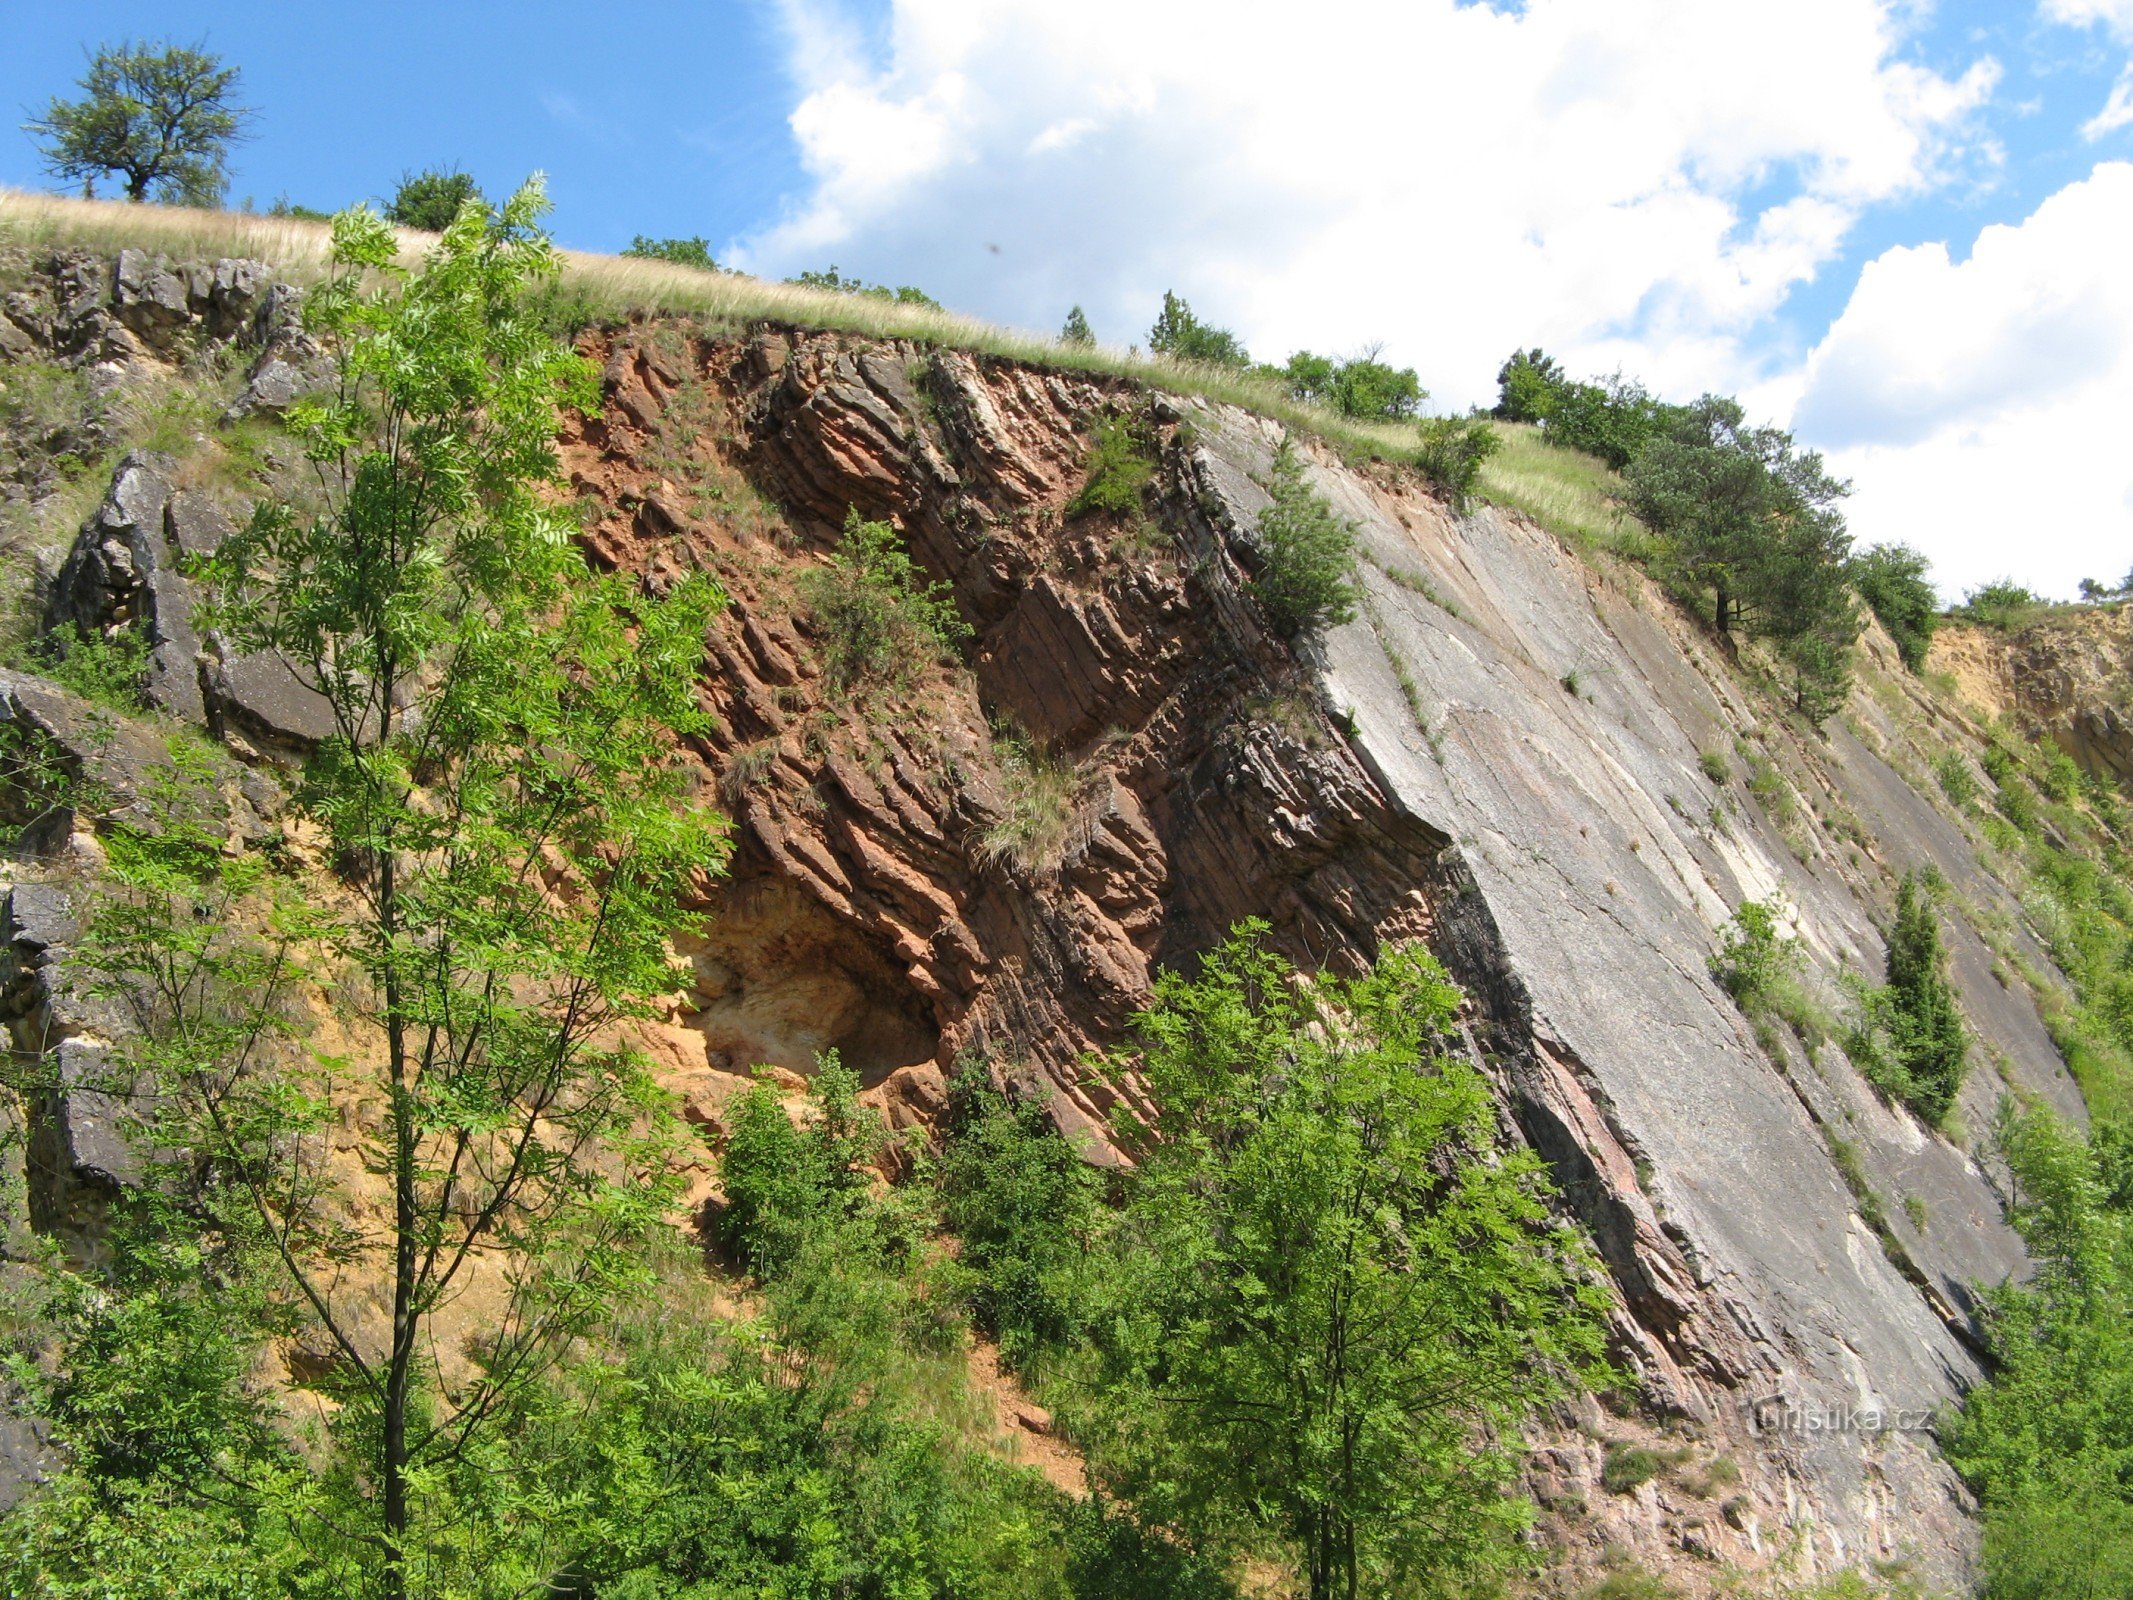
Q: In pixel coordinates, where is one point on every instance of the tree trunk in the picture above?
(401, 1372)
(1725, 611)
(137, 186)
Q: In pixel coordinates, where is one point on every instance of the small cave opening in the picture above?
(776, 980)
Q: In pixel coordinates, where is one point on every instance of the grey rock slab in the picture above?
(1558, 714)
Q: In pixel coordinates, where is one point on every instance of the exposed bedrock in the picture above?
(1500, 753)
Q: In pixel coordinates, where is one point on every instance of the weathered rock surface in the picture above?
(125, 570)
(2068, 679)
(79, 1150)
(1564, 851)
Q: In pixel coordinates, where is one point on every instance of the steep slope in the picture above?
(1533, 762)
(1501, 753)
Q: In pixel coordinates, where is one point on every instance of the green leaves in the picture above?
(1328, 1294)
(877, 619)
(1306, 550)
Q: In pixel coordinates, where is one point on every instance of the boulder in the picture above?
(66, 763)
(123, 570)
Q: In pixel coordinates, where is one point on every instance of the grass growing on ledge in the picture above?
(1564, 491)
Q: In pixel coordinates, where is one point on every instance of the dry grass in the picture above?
(1565, 491)
(1562, 490)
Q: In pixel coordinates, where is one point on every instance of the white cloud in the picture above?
(2116, 18)
(1644, 181)
(1981, 406)
(2117, 15)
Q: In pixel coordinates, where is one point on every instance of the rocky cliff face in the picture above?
(1505, 753)
(2067, 679)
(1524, 756)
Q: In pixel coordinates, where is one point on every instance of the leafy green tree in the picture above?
(1742, 514)
(432, 198)
(161, 116)
(1075, 331)
(1306, 552)
(1452, 452)
(1930, 1045)
(1527, 386)
(502, 805)
(1891, 579)
(2047, 1440)
(1614, 419)
(1179, 334)
(691, 252)
(1334, 1304)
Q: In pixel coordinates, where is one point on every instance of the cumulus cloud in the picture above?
(1980, 405)
(1451, 179)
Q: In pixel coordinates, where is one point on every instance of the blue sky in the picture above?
(1896, 225)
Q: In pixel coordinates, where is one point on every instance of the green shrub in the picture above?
(691, 252)
(1957, 781)
(784, 1181)
(1179, 334)
(2002, 604)
(1118, 472)
(110, 669)
(1075, 330)
(1753, 958)
(432, 198)
(1627, 1466)
(1361, 386)
(1025, 1208)
(877, 621)
(1891, 579)
(833, 282)
(1714, 764)
(1306, 580)
(1452, 452)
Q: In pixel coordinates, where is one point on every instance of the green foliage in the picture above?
(1119, 470)
(784, 1182)
(161, 116)
(2047, 1441)
(503, 804)
(1025, 1207)
(1358, 386)
(834, 282)
(1956, 779)
(1909, 1039)
(1891, 579)
(1330, 1304)
(691, 252)
(1714, 764)
(110, 669)
(1527, 385)
(1745, 518)
(876, 618)
(284, 207)
(1179, 334)
(1754, 960)
(433, 198)
(1626, 1466)
(2002, 604)
(1306, 577)
(1075, 330)
(1452, 452)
